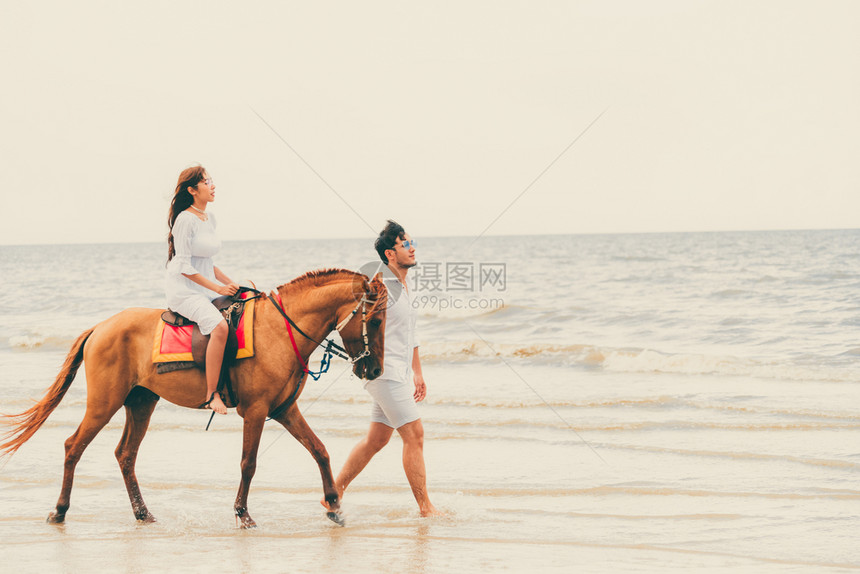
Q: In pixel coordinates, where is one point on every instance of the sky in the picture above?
(324, 119)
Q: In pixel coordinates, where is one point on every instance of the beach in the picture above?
(601, 403)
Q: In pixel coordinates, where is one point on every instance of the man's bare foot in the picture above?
(216, 404)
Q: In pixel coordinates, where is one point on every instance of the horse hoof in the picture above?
(54, 518)
(336, 517)
(146, 519)
(246, 522)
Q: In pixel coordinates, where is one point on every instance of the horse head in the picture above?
(364, 337)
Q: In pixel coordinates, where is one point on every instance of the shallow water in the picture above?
(640, 403)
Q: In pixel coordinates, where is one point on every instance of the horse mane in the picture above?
(319, 277)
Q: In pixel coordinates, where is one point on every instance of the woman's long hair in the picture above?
(182, 200)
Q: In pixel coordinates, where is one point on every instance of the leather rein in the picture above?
(331, 348)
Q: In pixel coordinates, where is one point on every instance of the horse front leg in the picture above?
(254, 421)
(139, 407)
(295, 422)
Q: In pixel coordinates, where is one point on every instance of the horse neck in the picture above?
(318, 305)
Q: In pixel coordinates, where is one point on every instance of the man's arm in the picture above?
(418, 377)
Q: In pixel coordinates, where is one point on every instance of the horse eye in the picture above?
(376, 322)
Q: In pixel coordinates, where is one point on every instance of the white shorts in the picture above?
(200, 309)
(393, 404)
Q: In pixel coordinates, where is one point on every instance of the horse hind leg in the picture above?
(139, 406)
(75, 445)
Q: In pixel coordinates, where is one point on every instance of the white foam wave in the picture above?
(27, 341)
(632, 360)
(39, 342)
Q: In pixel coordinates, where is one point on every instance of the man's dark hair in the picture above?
(388, 238)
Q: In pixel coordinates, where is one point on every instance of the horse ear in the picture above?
(377, 284)
(378, 287)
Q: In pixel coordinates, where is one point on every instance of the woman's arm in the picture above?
(228, 289)
(220, 276)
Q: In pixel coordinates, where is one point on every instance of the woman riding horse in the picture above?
(120, 372)
(193, 281)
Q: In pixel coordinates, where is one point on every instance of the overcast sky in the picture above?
(709, 116)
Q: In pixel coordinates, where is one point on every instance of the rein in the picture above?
(331, 348)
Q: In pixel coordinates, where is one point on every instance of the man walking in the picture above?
(402, 383)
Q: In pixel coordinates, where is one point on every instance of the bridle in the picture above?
(363, 304)
(331, 348)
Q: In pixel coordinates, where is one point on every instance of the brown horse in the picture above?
(119, 369)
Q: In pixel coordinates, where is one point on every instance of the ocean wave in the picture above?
(41, 342)
(740, 455)
(634, 489)
(767, 279)
(585, 356)
(632, 360)
(731, 293)
(637, 258)
(466, 428)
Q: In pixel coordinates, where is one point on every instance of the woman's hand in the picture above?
(228, 289)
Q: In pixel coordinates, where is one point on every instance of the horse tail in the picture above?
(27, 423)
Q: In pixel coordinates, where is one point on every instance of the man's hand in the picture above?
(420, 388)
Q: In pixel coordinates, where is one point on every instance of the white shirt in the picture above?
(400, 332)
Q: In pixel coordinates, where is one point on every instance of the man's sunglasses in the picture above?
(408, 243)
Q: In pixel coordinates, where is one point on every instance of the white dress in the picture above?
(196, 243)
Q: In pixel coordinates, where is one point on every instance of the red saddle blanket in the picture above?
(173, 344)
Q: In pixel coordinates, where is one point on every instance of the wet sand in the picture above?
(523, 492)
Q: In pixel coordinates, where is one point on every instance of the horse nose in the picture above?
(376, 372)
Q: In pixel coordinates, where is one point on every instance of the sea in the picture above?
(596, 403)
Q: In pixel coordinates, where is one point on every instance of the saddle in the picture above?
(173, 352)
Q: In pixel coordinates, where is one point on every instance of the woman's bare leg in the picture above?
(214, 358)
